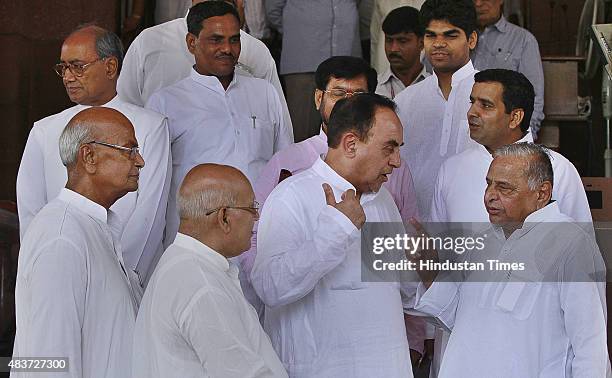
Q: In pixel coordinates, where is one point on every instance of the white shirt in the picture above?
(390, 85)
(158, 57)
(461, 184)
(241, 126)
(72, 297)
(547, 322)
(42, 175)
(322, 319)
(195, 322)
(434, 128)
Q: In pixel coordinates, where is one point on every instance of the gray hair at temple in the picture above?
(74, 135)
(108, 44)
(194, 205)
(539, 167)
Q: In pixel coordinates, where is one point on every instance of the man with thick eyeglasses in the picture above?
(75, 297)
(194, 320)
(90, 63)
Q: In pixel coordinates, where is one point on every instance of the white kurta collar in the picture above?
(202, 250)
(212, 82)
(528, 138)
(338, 182)
(549, 213)
(84, 204)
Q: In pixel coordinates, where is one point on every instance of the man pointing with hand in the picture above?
(323, 321)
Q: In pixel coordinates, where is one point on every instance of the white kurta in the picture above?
(526, 325)
(42, 175)
(322, 319)
(461, 184)
(73, 298)
(158, 57)
(434, 128)
(195, 322)
(241, 126)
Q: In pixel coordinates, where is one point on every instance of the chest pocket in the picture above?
(257, 137)
(502, 58)
(515, 297)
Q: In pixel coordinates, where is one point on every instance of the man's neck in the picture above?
(342, 170)
(482, 27)
(445, 80)
(224, 80)
(408, 75)
(104, 99)
(511, 139)
(89, 191)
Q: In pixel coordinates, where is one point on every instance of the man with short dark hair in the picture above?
(502, 44)
(91, 59)
(546, 315)
(322, 318)
(159, 57)
(215, 115)
(194, 320)
(502, 105)
(74, 296)
(433, 112)
(403, 46)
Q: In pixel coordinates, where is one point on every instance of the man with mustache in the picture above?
(159, 57)
(215, 115)
(433, 112)
(502, 44)
(403, 46)
(74, 297)
(91, 59)
(502, 105)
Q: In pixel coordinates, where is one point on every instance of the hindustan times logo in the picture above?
(412, 244)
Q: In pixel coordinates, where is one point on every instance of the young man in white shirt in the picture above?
(433, 112)
(91, 58)
(74, 296)
(216, 115)
(194, 320)
(322, 318)
(502, 106)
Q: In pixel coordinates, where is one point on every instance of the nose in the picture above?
(490, 194)
(394, 46)
(396, 160)
(226, 47)
(472, 111)
(139, 161)
(68, 76)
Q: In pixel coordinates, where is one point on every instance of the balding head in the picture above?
(99, 149)
(216, 206)
(91, 59)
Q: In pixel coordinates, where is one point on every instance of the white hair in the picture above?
(539, 167)
(73, 136)
(194, 205)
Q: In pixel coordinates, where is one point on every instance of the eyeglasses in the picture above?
(132, 150)
(77, 69)
(341, 93)
(251, 209)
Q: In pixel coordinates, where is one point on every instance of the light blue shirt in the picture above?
(505, 45)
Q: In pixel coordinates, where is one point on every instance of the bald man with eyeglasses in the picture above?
(90, 62)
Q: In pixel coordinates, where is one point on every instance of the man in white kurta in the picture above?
(158, 57)
(322, 319)
(547, 320)
(41, 173)
(461, 181)
(194, 320)
(73, 295)
(433, 112)
(238, 122)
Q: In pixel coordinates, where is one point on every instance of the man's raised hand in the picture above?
(349, 206)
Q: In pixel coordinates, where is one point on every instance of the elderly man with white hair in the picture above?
(194, 319)
(74, 296)
(544, 315)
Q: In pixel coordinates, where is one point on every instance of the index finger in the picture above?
(329, 195)
(417, 226)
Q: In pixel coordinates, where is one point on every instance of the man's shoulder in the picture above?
(58, 119)
(561, 163)
(161, 32)
(463, 159)
(140, 114)
(414, 91)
